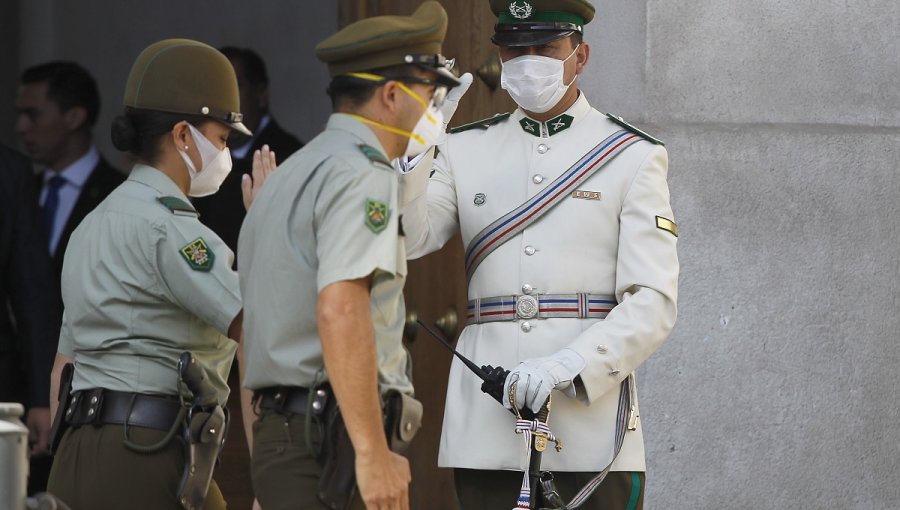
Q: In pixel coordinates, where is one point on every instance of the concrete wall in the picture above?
(105, 36)
(778, 387)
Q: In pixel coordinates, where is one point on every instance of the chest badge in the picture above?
(198, 255)
(586, 195)
(479, 199)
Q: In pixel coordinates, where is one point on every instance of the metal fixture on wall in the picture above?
(448, 323)
(489, 71)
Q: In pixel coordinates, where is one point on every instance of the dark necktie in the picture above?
(51, 204)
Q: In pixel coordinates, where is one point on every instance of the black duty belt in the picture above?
(284, 399)
(103, 407)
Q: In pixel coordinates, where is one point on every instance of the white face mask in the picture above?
(216, 166)
(427, 131)
(535, 82)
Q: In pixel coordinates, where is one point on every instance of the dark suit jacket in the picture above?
(103, 179)
(28, 287)
(223, 212)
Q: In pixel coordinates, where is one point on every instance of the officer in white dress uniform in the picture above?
(573, 301)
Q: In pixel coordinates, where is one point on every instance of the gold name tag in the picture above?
(586, 195)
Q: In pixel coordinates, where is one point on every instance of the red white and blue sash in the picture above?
(521, 217)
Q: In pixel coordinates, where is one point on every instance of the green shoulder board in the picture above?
(178, 206)
(374, 154)
(483, 123)
(620, 121)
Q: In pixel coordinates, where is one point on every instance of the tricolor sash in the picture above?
(515, 221)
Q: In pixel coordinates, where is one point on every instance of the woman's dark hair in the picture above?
(140, 131)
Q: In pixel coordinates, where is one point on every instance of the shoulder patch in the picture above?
(620, 121)
(376, 215)
(374, 154)
(483, 123)
(178, 206)
(198, 255)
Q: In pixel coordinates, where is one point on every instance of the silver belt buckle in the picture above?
(526, 307)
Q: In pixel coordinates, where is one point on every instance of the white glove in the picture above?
(452, 101)
(405, 165)
(537, 377)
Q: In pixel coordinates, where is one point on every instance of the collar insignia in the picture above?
(374, 154)
(553, 126)
(557, 124)
(530, 126)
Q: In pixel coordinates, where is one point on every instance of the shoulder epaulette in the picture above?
(374, 154)
(620, 121)
(178, 206)
(483, 123)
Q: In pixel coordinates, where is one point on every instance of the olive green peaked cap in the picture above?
(384, 41)
(185, 76)
(535, 22)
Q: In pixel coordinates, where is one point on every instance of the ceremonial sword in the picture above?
(494, 379)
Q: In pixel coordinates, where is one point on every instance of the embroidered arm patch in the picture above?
(667, 225)
(198, 255)
(377, 214)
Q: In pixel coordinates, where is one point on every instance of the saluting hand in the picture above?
(263, 166)
(452, 101)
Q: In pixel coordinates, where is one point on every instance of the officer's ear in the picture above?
(181, 135)
(389, 96)
(582, 54)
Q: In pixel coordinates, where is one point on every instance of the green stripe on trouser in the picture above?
(93, 470)
(635, 492)
(492, 490)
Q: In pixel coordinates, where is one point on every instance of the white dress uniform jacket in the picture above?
(604, 240)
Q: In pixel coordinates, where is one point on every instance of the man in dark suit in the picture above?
(28, 300)
(57, 106)
(217, 211)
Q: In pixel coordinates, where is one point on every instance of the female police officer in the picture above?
(144, 281)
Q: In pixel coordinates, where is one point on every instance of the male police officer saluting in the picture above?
(571, 263)
(324, 288)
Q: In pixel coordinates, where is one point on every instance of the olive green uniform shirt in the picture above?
(143, 282)
(328, 214)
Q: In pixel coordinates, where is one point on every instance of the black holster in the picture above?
(60, 425)
(337, 484)
(205, 432)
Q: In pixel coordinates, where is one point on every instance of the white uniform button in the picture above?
(602, 349)
(529, 250)
(537, 179)
(526, 326)
(542, 149)
(526, 289)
